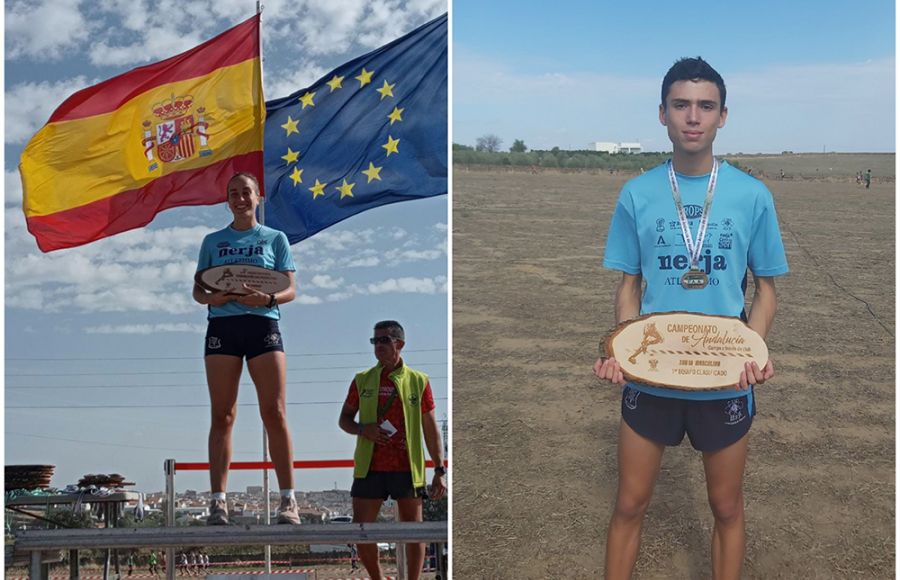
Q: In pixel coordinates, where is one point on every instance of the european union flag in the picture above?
(370, 133)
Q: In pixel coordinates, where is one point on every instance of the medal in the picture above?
(695, 278)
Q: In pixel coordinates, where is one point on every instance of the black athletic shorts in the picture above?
(245, 335)
(381, 484)
(710, 425)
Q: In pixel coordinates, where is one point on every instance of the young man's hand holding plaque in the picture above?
(685, 351)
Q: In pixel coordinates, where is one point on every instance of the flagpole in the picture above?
(262, 201)
(262, 220)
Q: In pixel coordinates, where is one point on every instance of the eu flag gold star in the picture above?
(335, 83)
(291, 156)
(372, 172)
(391, 146)
(318, 189)
(290, 126)
(395, 115)
(295, 176)
(307, 100)
(386, 90)
(346, 189)
(365, 77)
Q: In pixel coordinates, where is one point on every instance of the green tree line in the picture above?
(557, 158)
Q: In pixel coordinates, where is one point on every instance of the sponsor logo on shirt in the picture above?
(249, 251)
(693, 211)
(708, 262)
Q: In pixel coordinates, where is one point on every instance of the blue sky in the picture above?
(112, 324)
(800, 75)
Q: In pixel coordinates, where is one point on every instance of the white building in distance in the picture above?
(607, 147)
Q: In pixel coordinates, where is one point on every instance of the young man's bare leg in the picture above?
(366, 510)
(639, 461)
(724, 487)
(411, 511)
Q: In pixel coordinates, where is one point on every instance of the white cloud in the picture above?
(29, 105)
(326, 282)
(413, 255)
(409, 285)
(340, 296)
(368, 262)
(146, 328)
(142, 270)
(12, 185)
(45, 31)
(307, 299)
(157, 43)
(441, 227)
(282, 82)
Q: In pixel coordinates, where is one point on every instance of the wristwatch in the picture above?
(440, 470)
(272, 301)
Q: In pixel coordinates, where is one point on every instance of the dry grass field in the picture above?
(534, 433)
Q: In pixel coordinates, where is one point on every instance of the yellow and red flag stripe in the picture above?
(168, 134)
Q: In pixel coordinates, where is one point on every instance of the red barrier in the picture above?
(308, 464)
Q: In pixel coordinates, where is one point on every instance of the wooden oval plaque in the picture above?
(685, 351)
(232, 277)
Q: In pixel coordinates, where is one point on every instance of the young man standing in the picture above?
(690, 228)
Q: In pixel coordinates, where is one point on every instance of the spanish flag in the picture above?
(172, 133)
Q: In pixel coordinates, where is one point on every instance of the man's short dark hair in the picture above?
(393, 327)
(692, 69)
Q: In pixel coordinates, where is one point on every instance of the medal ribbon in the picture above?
(694, 250)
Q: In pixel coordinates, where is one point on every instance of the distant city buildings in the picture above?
(607, 147)
(250, 508)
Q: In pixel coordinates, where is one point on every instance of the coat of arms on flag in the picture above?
(175, 135)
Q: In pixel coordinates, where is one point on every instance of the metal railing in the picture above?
(38, 541)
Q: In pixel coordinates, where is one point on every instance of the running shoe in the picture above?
(288, 512)
(218, 513)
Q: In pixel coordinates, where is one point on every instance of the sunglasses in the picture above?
(382, 340)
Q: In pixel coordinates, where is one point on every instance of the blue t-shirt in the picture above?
(645, 238)
(259, 246)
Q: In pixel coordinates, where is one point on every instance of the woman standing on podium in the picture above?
(246, 326)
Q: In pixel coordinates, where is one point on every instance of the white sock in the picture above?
(219, 495)
(287, 493)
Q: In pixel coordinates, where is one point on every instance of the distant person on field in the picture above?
(868, 178)
(396, 411)
(742, 235)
